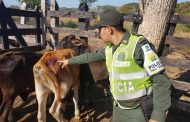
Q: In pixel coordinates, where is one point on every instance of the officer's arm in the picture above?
(161, 85)
(161, 96)
(98, 55)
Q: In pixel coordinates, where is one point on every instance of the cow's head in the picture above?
(71, 41)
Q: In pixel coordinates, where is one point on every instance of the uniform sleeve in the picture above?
(138, 54)
(161, 86)
(88, 57)
(161, 96)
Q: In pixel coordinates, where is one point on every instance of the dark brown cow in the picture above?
(16, 78)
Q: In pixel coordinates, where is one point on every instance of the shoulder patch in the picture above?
(152, 63)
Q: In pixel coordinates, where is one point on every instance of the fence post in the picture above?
(83, 23)
(54, 22)
(1, 39)
(22, 7)
(170, 31)
(38, 35)
(172, 25)
(137, 19)
(43, 24)
(4, 21)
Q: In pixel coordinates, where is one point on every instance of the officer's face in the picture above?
(104, 33)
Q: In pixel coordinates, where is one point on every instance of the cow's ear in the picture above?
(71, 37)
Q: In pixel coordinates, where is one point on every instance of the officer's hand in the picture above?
(151, 120)
(63, 63)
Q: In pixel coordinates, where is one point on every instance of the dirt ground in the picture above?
(94, 112)
(100, 109)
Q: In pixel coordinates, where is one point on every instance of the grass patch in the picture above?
(183, 27)
(69, 24)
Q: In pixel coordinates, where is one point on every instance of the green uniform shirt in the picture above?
(161, 84)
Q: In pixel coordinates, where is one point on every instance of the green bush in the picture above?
(16, 19)
(128, 26)
(69, 24)
(183, 27)
(183, 8)
(129, 8)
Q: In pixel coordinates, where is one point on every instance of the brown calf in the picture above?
(49, 77)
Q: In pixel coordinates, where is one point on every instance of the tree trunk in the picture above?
(156, 16)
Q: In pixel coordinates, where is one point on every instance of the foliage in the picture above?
(128, 25)
(183, 8)
(89, 2)
(69, 24)
(129, 8)
(183, 27)
(105, 7)
(16, 19)
(32, 3)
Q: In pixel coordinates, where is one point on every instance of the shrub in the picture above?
(183, 27)
(69, 24)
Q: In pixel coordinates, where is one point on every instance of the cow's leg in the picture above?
(8, 99)
(53, 107)
(24, 95)
(11, 117)
(1, 96)
(75, 100)
(41, 95)
(55, 110)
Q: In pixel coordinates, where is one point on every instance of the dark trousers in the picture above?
(127, 115)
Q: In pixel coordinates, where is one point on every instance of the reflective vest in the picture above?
(128, 80)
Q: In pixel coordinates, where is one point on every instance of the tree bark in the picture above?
(156, 16)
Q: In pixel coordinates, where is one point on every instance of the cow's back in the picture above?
(17, 67)
(49, 59)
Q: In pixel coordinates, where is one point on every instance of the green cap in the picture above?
(110, 17)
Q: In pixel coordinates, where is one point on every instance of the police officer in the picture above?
(135, 72)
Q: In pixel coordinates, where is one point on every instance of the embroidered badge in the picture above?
(151, 57)
(121, 56)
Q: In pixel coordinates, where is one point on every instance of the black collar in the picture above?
(126, 37)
